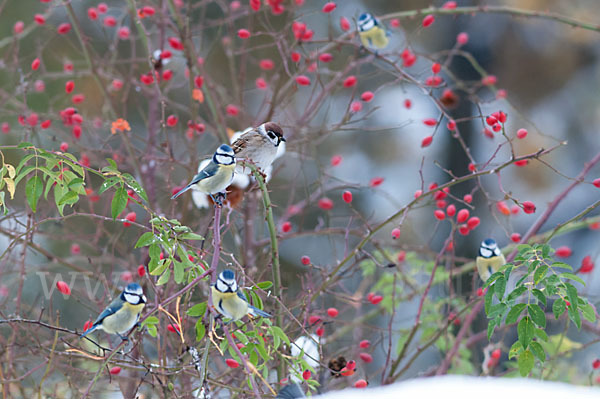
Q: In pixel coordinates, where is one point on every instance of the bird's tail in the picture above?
(291, 391)
(92, 328)
(257, 312)
(183, 190)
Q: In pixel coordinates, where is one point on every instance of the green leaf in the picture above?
(489, 295)
(526, 362)
(537, 315)
(191, 236)
(525, 331)
(588, 312)
(499, 287)
(25, 144)
(200, 330)
(490, 328)
(161, 266)
(539, 295)
(279, 332)
(264, 285)
(538, 351)
(562, 265)
(540, 272)
(178, 272)
(198, 309)
(242, 337)
(558, 307)
(541, 334)
(517, 292)
(150, 323)
(164, 279)
(135, 186)
(574, 316)
(108, 183)
(145, 239)
(515, 350)
(154, 251)
(33, 191)
(70, 197)
(573, 277)
(492, 278)
(119, 202)
(572, 294)
(112, 165)
(514, 313)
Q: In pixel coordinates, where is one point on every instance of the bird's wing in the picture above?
(209, 171)
(110, 309)
(251, 309)
(241, 295)
(242, 142)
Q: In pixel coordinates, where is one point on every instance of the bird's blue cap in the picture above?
(364, 16)
(228, 274)
(489, 242)
(133, 287)
(225, 148)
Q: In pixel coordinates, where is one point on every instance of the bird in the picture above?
(214, 177)
(371, 32)
(230, 301)
(490, 259)
(258, 145)
(123, 312)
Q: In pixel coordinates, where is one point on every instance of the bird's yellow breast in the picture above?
(218, 182)
(374, 37)
(487, 266)
(123, 320)
(229, 304)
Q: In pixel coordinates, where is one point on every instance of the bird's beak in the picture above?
(283, 139)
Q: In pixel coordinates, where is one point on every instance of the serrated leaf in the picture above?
(198, 309)
(539, 295)
(539, 273)
(573, 277)
(514, 313)
(145, 239)
(191, 236)
(538, 351)
(558, 307)
(525, 362)
(537, 315)
(33, 190)
(119, 202)
(588, 312)
(200, 330)
(525, 331)
(10, 186)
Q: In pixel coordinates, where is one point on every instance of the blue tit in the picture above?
(290, 391)
(123, 313)
(490, 259)
(231, 302)
(371, 32)
(216, 176)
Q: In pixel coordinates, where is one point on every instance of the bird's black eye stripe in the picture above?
(271, 134)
